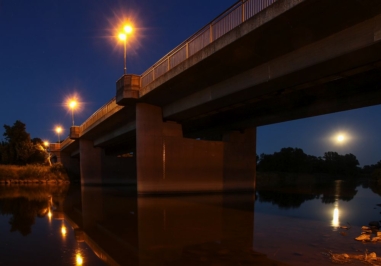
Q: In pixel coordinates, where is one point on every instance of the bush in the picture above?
(32, 171)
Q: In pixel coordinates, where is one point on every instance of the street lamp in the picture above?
(72, 105)
(58, 131)
(127, 29)
(46, 144)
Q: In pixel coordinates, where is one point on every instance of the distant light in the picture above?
(340, 138)
(46, 143)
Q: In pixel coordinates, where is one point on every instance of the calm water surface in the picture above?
(286, 222)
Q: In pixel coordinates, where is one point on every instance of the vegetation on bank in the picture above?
(294, 160)
(19, 149)
(33, 173)
(26, 160)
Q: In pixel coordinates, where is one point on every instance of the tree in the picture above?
(19, 148)
(291, 160)
(335, 163)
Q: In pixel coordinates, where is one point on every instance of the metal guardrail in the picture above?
(105, 109)
(231, 18)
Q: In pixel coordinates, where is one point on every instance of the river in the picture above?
(287, 221)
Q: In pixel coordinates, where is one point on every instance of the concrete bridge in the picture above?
(189, 122)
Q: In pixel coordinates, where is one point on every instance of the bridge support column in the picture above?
(167, 162)
(91, 162)
(240, 160)
(71, 164)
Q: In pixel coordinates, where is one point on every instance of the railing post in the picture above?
(169, 64)
(243, 10)
(186, 50)
(211, 33)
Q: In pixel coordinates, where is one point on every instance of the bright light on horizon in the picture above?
(340, 138)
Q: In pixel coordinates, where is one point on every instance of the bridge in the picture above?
(188, 123)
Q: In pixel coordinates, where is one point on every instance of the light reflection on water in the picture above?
(287, 223)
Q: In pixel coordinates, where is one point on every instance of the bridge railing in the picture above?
(231, 18)
(65, 143)
(105, 109)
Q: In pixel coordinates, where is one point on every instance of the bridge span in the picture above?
(189, 122)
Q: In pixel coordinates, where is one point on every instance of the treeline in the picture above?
(294, 160)
(19, 149)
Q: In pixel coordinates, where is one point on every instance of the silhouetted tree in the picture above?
(335, 163)
(290, 160)
(294, 160)
(19, 148)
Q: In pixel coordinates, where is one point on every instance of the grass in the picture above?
(33, 172)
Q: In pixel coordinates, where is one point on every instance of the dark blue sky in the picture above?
(51, 49)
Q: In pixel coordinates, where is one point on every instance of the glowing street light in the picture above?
(58, 131)
(72, 105)
(127, 29)
(46, 144)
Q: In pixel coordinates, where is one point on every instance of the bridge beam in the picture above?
(167, 162)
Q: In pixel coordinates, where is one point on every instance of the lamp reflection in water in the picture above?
(336, 212)
(50, 209)
(63, 230)
(78, 258)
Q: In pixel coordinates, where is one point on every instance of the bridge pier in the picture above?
(71, 164)
(167, 162)
(91, 162)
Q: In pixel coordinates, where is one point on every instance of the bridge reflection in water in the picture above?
(123, 229)
(214, 229)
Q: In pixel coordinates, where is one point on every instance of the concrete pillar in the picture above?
(91, 162)
(167, 162)
(149, 147)
(240, 160)
(71, 164)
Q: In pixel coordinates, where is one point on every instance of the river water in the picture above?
(287, 221)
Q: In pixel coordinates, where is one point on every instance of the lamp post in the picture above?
(72, 105)
(58, 131)
(46, 144)
(127, 29)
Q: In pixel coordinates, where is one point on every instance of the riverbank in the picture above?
(33, 174)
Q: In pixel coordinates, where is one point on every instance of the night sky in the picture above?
(52, 49)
